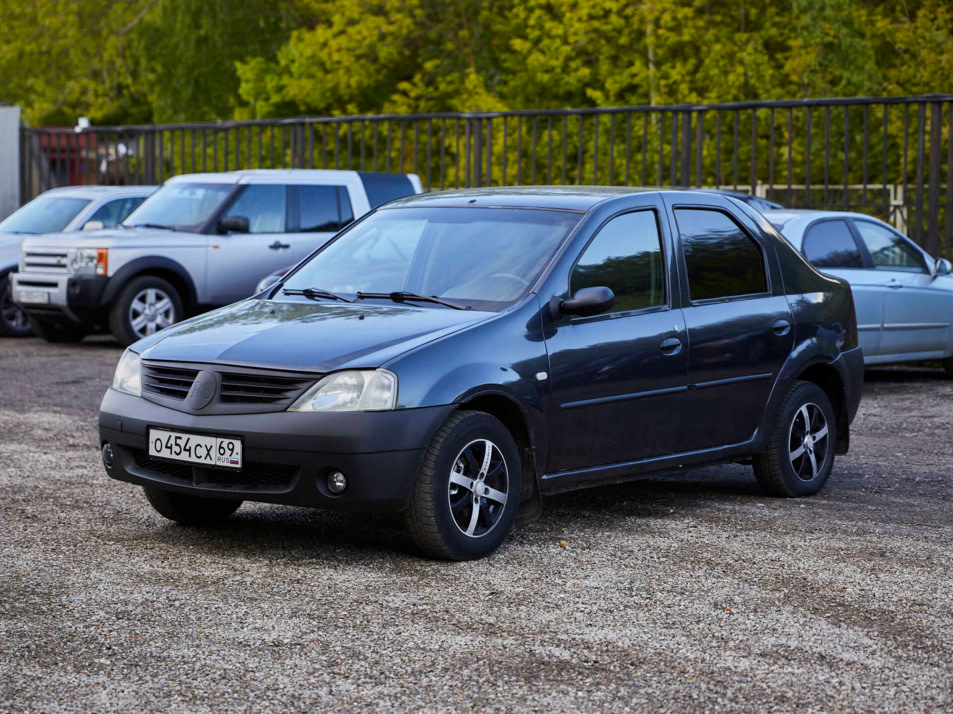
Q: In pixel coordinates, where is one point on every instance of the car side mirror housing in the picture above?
(233, 224)
(942, 267)
(584, 303)
(93, 226)
(268, 281)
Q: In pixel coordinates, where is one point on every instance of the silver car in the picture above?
(903, 296)
(73, 208)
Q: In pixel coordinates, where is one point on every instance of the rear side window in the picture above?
(722, 260)
(890, 251)
(625, 256)
(382, 188)
(830, 244)
(323, 209)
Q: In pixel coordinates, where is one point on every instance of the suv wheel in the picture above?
(13, 321)
(467, 490)
(803, 438)
(190, 510)
(57, 330)
(145, 305)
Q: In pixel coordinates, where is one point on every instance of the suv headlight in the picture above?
(128, 374)
(89, 261)
(372, 390)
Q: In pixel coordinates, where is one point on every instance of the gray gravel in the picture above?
(692, 592)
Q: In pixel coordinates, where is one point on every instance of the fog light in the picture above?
(337, 482)
(108, 455)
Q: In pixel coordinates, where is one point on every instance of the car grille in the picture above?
(263, 391)
(45, 262)
(252, 476)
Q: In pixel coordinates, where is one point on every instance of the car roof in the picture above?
(94, 192)
(249, 175)
(572, 198)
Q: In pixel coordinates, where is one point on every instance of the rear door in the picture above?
(831, 247)
(739, 323)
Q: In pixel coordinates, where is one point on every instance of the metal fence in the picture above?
(890, 157)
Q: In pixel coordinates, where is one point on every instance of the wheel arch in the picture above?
(825, 376)
(169, 270)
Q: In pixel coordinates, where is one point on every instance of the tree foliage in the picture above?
(122, 61)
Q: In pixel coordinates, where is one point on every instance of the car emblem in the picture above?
(202, 391)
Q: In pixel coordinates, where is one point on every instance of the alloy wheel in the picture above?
(808, 441)
(151, 310)
(478, 488)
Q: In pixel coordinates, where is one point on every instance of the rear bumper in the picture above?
(287, 456)
(75, 298)
(850, 365)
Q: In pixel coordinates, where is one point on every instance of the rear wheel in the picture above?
(803, 437)
(190, 510)
(13, 321)
(53, 330)
(467, 491)
(145, 305)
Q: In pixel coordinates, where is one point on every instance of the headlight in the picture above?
(128, 372)
(354, 391)
(89, 261)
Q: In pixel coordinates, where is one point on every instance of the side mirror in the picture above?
(586, 302)
(266, 283)
(233, 224)
(93, 226)
(942, 267)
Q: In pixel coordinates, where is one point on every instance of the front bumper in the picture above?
(76, 298)
(287, 456)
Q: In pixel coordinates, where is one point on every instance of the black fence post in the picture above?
(932, 243)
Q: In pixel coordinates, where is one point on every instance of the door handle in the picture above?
(894, 285)
(278, 246)
(670, 346)
(781, 327)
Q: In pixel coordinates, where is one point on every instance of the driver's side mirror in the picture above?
(942, 267)
(93, 226)
(233, 224)
(584, 303)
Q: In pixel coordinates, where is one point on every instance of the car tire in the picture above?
(145, 305)
(948, 367)
(57, 330)
(467, 491)
(802, 444)
(13, 321)
(190, 510)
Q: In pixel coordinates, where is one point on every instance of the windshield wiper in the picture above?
(148, 225)
(314, 293)
(402, 295)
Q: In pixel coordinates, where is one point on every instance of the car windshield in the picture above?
(46, 214)
(483, 258)
(182, 206)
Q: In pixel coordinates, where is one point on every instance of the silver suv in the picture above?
(200, 241)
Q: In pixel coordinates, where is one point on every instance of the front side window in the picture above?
(112, 212)
(626, 257)
(482, 257)
(264, 207)
(182, 206)
(722, 260)
(890, 251)
(830, 244)
(46, 214)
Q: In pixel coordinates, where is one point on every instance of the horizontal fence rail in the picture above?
(890, 157)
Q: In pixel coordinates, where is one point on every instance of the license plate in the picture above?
(219, 451)
(34, 297)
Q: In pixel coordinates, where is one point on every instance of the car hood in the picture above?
(101, 239)
(305, 336)
(11, 239)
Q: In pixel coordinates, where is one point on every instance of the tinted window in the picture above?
(722, 260)
(889, 250)
(830, 244)
(320, 209)
(111, 213)
(264, 207)
(382, 188)
(46, 214)
(625, 256)
(184, 206)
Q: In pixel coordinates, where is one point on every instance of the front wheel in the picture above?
(467, 490)
(803, 439)
(190, 510)
(13, 321)
(145, 305)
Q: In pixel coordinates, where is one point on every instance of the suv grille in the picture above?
(47, 262)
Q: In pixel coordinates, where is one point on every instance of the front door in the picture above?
(617, 378)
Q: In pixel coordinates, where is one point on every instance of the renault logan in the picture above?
(456, 356)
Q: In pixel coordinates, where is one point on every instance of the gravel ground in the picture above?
(692, 592)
